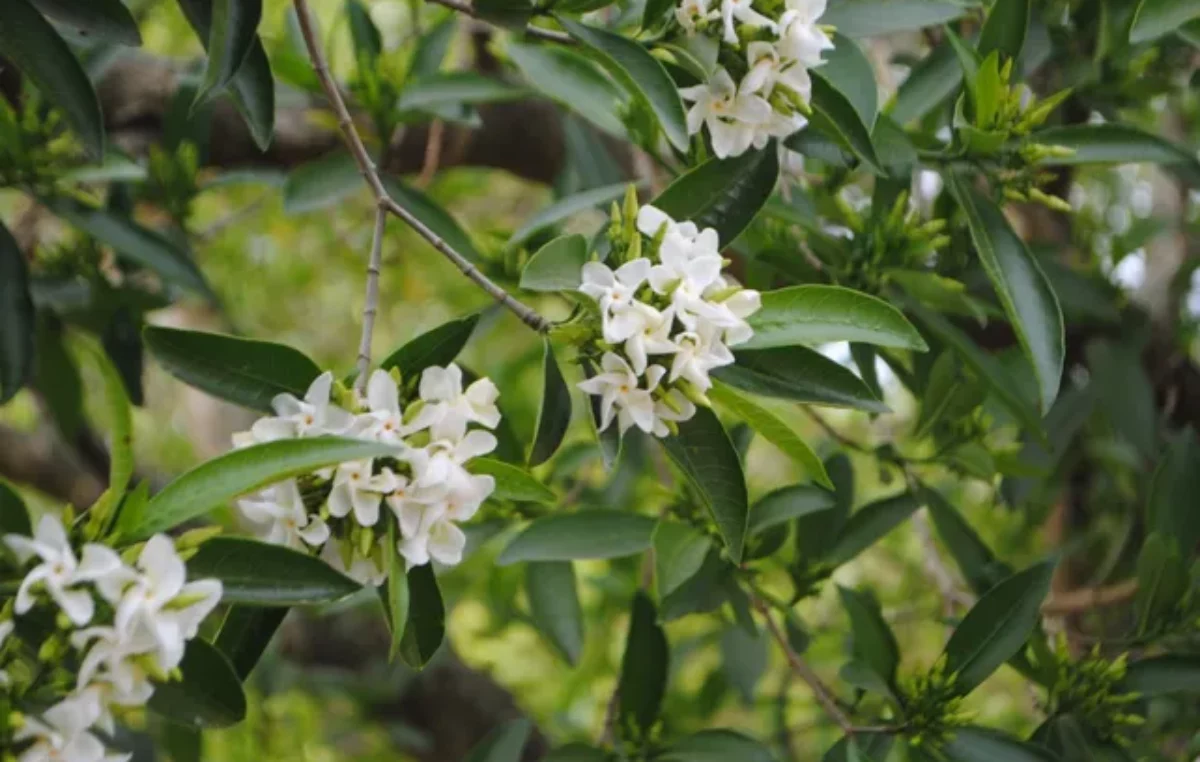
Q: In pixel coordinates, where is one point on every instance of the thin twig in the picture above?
(1087, 598)
(371, 302)
(545, 34)
(433, 153)
(366, 167)
(834, 433)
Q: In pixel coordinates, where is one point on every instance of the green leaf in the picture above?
(639, 72)
(931, 82)
(554, 606)
(209, 695)
(679, 552)
(426, 625)
(834, 114)
(17, 322)
(512, 482)
(1171, 508)
(595, 198)
(704, 454)
(573, 81)
(14, 517)
(820, 314)
(788, 503)
(818, 529)
(772, 429)
(133, 242)
(252, 88)
(974, 559)
(363, 33)
(245, 635)
(577, 752)
(1125, 394)
(725, 194)
(91, 21)
(744, 658)
(554, 415)
(432, 47)
(864, 747)
(1022, 287)
(435, 348)
(874, 18)
(715, 746)
(1118, 144)
(514, 14)
(978, 744)
(1005, 29)
(433, 216)
(394, 596)
(997, 626)
(504, 744)
(873, 642)
(869, 524)
(1162, 675)
(557, 266)
(849, 71)
(801, 375)
(1162, 580)
(643, 679)
(321, 183)
(246, 372)
(241, 471)
(1155, 18)
(233, 31)
(443, 89)
(30, 42)
(262, 574)
(116, 402)
(580, 535)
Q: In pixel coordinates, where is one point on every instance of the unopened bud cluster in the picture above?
(1090, 688)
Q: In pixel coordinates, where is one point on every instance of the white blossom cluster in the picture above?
(426, 486)
(760, 88)
(666, 321)
(124, 626)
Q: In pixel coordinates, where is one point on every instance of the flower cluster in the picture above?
(673, 307)
(760, 88)
(425, 486)
(121, 627)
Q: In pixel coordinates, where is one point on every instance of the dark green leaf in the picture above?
(788, 503)
(849, 71)
(573, 81)
(1171, 509)
(817, 530)
(1155, 18)
(744, 660)
(243, 371)
(554, 415)
(231, 35)
(819, 314)
(873, 642)
(873, 18)
(706, 591)
(576, 752)
(557, 266)
(640, 73)
(834, 114)
(772, 429)
(363, 33)
(513, 14)
(997, 626)
(585, 534)
(426, 625)
(863, 747)
(17, 324)
(435, 348)
(977, 744)
(724, 194)
(1162, 580)
(1126, 395)
(116, 404)
(704, 454)
(1161, 675)
(869, 524)
(321, 183)
(801, 375)
(1005, 29)
(57, 380)
(432, 47)
(444, 89)
(715, 746)
(241, 471)
(209, 695)
(14, 518)
(643, 668)
(679, 552)
(261, 574)
(29, 42)
(91, 21)
(122, 341)
(245, 635)
(433, 216)
(554, 606)
(974, 559)
(931, 82)
(1119, 144)
(512, 482)
(394, 597)
(566, 207)
(504, 744)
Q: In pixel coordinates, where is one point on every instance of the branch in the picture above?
(533, 31)
(1087, 598)
(371, 302)
(366, 166)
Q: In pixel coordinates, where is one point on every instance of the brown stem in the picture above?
(371, 302)
(545, 34)
(1087, 598)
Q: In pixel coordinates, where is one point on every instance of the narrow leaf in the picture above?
(554, 606)
(725, 194)
(573, 81)
(679, 552)
(262, 574)
(17, 323)
(643, 679)
(874, 644)
(869, 524)
(788, 503)
(715, 746)
(974, 559)
(441, 90)
(233, 31)
(564, 208)
(91, 21)
(426, 625)
(1005, 29)
(585, 534)
(433, 216)
(772, 429)
(363, 32)
(978, 744)
(435, 348)
(321, 183)
(208, 695)
(834, 114)
(557, 266)
(874, 18)
(14, 517)
(512, 482)
(1155, 18)
(1162, 675)
(801, 375)
(504, 744)
(1119, 144)
(245, 635)
(819, 314)
(554, 415)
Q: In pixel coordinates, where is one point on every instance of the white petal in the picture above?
(651, 218)
(319, 389)
(162, 564)
(76, 604)
(341, 501)
(98, 561)
(382, 394)
(446, 543)
(474, 444)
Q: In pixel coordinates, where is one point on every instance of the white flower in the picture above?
(61, 734)
(429, 533)
(384, 420)
(768, 69)
(110, 666)
(731, 116)
(695, 356)
(440, 464)
(800, 39)
(691, 13)
(60, 570)
(312, 416)
(357, 490)
(615, 292)
(743, 12)
(653, 337)
(450, 408)
(366, 570)
(620, 395)
(674, 407)
(282, 518)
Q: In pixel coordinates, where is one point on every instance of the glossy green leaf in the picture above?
(562, 209)
(864, 747)
(834, 115)
(433, 216)
(873, 642)
(120, 421)
(426, 625)
(978, 744)
(997, 626)
(846, 68)
(931, 82)
(869, 524)
(725, 194)
(873, 18)
(557, 266)
(30, 42)
(1125, 394)
(504, 744)
(643, 680)
(431, 49)
(245, 634)
(788, 503)
(1155, 18)
(233, 31)
(1022, 287)
(820, 314)
(444, 89)
(1005, 29)
(435, 348)
(1118, 144)
(554, 415)
(91, 21)
(975, 560)
(554, 606)
(321, 183)
(744, 658)
(394, 596)
(241, 471)
(512, 482)
(1171, 510)
(262, 574)
(703, 452)
(580, 535)
(14, 517)
(798, 374)
(772, 429)
(1163, 675)
(1162, 578)
(363, 33)
(17, 322)
(679, 552)
(246, 372)
(716, 745)
(573, 81)
(209, 694)
(640, 73)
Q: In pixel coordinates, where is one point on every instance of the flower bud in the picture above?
(194, 538)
